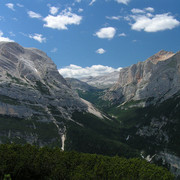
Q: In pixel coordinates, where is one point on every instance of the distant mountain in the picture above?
(37, 106)
(103, 81)
(79, 85)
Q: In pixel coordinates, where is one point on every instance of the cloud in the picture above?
(80, 10)
(61, 21)
(6, 39)
(10, 6)
(54, 50)
(34, 15)
(154, 23)
(92, 2)
(141, 11)
(100, 51)
(113, 17)
(122, 35)
(20, 5)
(78, 1)
(123, 1)
(75, 71)
(150, 9)
(53, 10)
(11, 33)
(38, 37)
(106, 33)
(135, 11)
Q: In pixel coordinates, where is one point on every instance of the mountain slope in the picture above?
(30, 88)
(145, 101)
(80, 85)
(39, 107)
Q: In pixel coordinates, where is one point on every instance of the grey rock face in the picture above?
(158, 77)
(29, 75)
(31, 88)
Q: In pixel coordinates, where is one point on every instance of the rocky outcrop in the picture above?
(158, 77)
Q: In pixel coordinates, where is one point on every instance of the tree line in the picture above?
(32, 162)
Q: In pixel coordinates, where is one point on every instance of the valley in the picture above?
(137, 115)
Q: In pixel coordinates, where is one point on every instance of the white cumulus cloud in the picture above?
(10, 6)
(106, 33)
(38, 37)
(141, 11)
(75, 71)
(53, 10)
(62, 20)
(34, 15)
(6, 39)
(122, 35)
(135, 11)
(154, 23)
(123, 1)
(100, 51)
(150, 9)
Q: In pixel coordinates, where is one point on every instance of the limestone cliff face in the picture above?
(34, 97)
(28, 75)
(158, 77)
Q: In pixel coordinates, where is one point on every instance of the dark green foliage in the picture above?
(8, 100)
(18, 130)
(16, 80)
(29, 162)
(132, 118)
(97, 135)
(94, 96)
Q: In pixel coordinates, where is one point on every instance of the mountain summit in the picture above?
(160, 56)
(158, 77)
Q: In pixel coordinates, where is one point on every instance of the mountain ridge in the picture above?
(147, 80)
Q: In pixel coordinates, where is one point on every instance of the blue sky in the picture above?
(110, 33)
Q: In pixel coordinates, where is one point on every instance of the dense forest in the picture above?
(32, 162)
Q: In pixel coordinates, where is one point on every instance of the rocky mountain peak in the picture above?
(12, 47)
(160, 56)
(148, 79)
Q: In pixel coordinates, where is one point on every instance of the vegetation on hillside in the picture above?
(31, 162)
